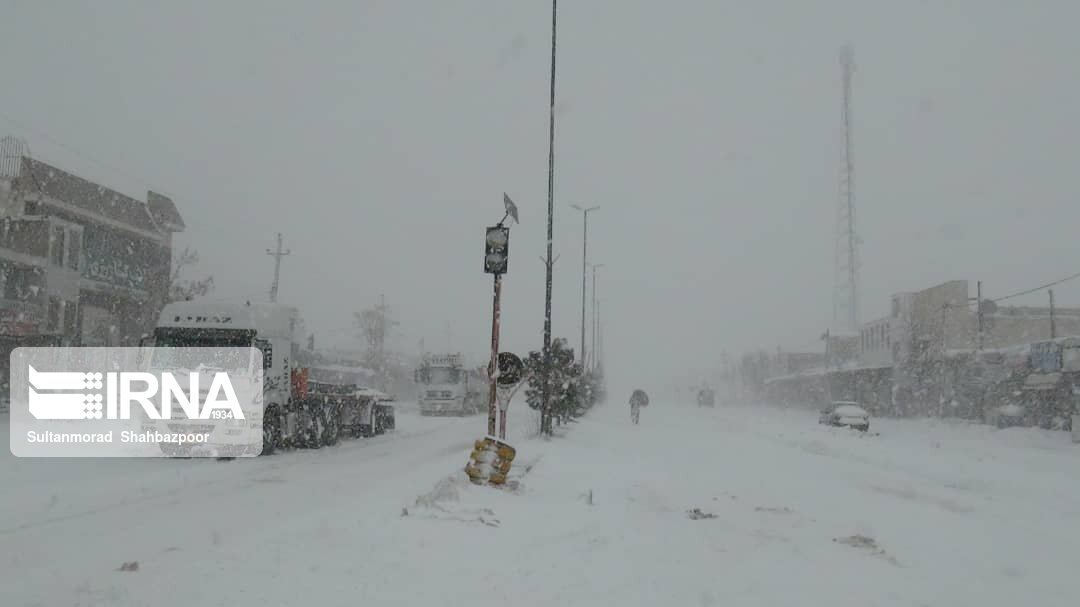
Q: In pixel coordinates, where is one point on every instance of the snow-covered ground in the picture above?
(925, 513)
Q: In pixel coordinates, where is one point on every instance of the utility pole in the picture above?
(382, 326)
(595, 342)
(598, 354)
(545, 408)
(277, 254)
(944, 351)
(1053, 329)
(979, 315)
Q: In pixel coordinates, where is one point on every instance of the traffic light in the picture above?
(496, 250)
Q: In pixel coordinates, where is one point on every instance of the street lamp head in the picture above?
(584, 210)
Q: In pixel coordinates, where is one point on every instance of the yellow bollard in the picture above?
(498, 457)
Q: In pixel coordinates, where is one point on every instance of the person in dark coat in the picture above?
(637, 400)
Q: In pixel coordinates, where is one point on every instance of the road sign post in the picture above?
(493, 366)
(511, 376)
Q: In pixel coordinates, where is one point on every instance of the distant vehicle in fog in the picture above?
(447, 387)
(706, 397)
(845, 414)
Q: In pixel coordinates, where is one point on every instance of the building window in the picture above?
(74, 249)
(895, 308)
(57, 256)
(70, 317)
(54, 314)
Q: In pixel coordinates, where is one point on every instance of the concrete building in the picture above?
(936, 331)
(875, 343)
(80, 263)
(1005, 326)
(842, 349)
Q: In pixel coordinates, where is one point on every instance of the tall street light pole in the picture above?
(595, 340)
(599, 338)
(545, 410)
(584, 266)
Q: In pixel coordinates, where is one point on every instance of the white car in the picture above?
(845, 414)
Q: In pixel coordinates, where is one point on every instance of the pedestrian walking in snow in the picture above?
(637, 400)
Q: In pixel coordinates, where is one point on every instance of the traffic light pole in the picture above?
(493, 367)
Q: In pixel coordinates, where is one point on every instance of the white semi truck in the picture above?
(294, 413)
(447, 387)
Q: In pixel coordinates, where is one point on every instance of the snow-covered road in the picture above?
(926, 513)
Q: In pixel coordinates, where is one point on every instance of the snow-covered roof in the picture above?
(335, 368)
(87, 195)
(373, 393)
(1017, 350)
(819, 371)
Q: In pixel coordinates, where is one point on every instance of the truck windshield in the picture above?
(200, 338)
(203, 338)
(1070, 358)
(443, 375)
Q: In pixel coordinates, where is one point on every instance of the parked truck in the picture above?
(448, 387)
(295, 413)
(1051, 392)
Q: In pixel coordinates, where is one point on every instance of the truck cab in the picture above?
(272, 328)
(1051, 391)
(447, 387)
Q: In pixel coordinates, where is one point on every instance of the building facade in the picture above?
(939, 331)
(80, 264)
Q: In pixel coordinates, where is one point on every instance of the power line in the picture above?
(1039, 288)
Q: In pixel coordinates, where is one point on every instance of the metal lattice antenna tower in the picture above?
(846, 257)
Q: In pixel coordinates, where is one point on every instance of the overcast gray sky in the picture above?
(379, 137)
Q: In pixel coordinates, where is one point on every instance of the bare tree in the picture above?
(375, 325)
(180, 290)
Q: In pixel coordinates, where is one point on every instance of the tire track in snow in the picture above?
(245, 477)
